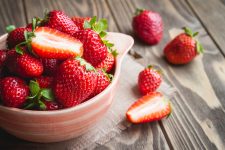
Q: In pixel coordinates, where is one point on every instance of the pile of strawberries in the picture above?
(55, 62)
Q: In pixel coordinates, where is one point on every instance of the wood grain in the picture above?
(195, 123)
(212, 16)
(11, 13)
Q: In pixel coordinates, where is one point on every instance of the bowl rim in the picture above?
(85, 104)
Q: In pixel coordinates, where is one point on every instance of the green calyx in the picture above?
(87, 65)
(154, 68)
(138, 11)
(38, 94)
(109, 76)
(10, 28)
(100, 28)
(192, 34)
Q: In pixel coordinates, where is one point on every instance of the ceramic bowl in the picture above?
(61, 125)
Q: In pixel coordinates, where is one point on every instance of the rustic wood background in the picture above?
(198, 120)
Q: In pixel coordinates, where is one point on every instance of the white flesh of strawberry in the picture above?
(52, 40)
(154, 105)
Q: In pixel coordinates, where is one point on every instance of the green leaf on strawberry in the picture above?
(199, 48)
(10, 28)
(37, 94)
(47, 93)
(34, 88)
(83, 62)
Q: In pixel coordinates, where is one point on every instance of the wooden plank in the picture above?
(212, 16)
(144, 137)
(12, 12)
(197, 121)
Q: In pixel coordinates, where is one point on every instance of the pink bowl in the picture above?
(60, 125)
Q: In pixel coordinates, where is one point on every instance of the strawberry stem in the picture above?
(138, 11)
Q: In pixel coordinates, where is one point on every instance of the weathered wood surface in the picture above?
(11, 12)
(195, 123)
(198, 117)
(212, 16)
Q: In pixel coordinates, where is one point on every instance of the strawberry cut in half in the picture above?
(51, 43)
(151, 107)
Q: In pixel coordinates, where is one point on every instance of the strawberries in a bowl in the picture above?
(58, 72)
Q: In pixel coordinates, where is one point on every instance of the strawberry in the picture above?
(94, 49)
(52, 105)
(3, 55)
(79, 21)
(183, 48)
(23, 64)
(60, 21)
(13, 91)
(44, 81)
(15, 36)
(108, 63)
(148, 26)
(103, 80)
(51, 43)
(50, 66)
(149, 80)
(75, 81)
(151, 107)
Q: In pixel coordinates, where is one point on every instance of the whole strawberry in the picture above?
(50, 66)
(75, 81)
(103, 80)
(94, 49)
(108, 63)
(79, 21)
(59, 20)
(149, 80)
(23, 64)
(44, 81)
(14, 92)
(16, 36)
(183, 48)
(148, 26)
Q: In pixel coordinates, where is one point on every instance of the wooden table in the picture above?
(198, 120)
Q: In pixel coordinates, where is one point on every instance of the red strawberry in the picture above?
(44, 81)
(151, 107)
(52, 105)
(75, 81)
(50, 66)
(60, 21)
(14, 91)
(149, 80)
(3, 55)
(94, 49)
(24, 65)
(183, 48)
(79, 21)
(16, 37)
(103, 80)
(51, 43)
(148, 26)
(29, 26)
(108, 63)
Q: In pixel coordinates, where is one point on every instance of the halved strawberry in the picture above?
(151, 107)
(51, 43)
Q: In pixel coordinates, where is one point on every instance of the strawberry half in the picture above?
(51, 43)
(151, 107)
